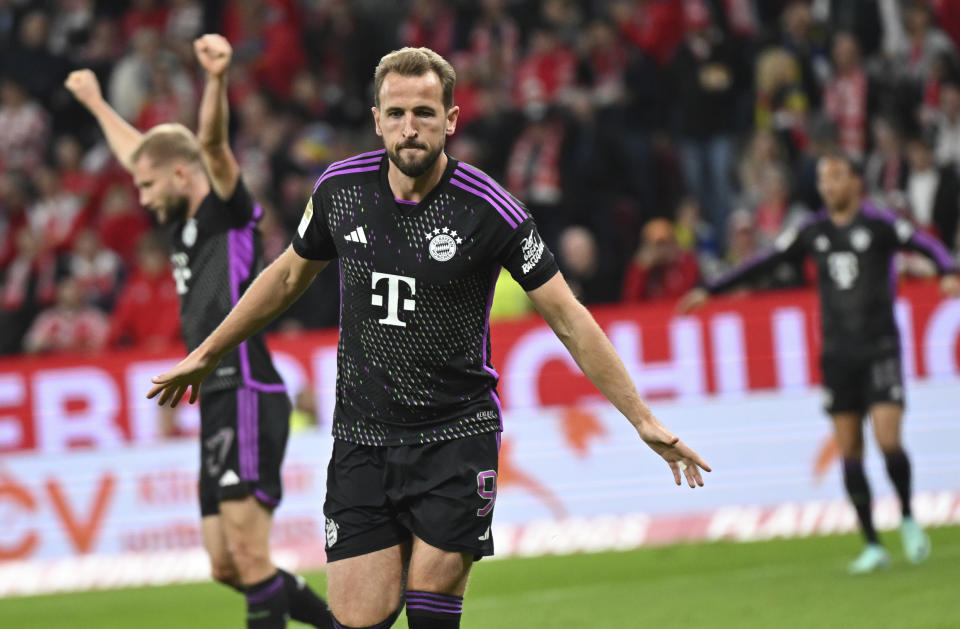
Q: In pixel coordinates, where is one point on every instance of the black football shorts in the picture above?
(243, 435)
(852, 384)
(442, 492)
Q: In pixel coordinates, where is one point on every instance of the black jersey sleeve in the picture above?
(527, 257)
(241, 207)
(788, 247)
(313, 240)
(908, 237)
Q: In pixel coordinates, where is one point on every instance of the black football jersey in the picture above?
(416, 284)
(217, 253)
(856, 275)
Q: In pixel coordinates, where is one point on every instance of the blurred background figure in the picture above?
(71, 325)
(660, 269)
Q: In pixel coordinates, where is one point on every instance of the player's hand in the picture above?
(213, 52)
(692, 300)
(677, 454)
(84, 86)
(950, 285)
(188, 374)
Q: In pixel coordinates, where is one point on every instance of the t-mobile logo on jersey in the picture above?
(393, 297)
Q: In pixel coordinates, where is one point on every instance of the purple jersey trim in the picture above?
(498, 194)
(484, 341)
(241, 252)
(363, 169)
(510, 221)
(248, 434)
(498, 189)
(258, 597)
(263, 497)
(405, 202)
(924, 242)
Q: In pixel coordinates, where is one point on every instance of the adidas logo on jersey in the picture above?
(229, 478)
(356, 235)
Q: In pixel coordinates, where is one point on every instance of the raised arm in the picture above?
(592, 351)
(268, 296)
(122, 137)
(214, 52)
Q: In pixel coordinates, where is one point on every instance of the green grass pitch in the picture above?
(782, 584)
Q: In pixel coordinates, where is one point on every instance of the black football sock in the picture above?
(859, 492)
(267, 604)
(385, 624)
(898, 467)
(428, 610)
(305, 605)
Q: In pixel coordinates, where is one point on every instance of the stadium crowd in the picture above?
(657, 142)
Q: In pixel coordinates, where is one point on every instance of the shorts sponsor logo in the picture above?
(532, 247)
(332, 530)
(485, 536)
(443, 243)
(229, 478)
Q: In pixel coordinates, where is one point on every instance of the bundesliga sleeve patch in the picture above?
(305, 221)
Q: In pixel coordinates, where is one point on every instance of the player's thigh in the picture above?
(848, 433)
(364, 590)
(887, 421)
(215, 543)
(246, 526)
(435, 570)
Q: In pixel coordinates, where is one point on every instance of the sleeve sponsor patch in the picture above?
(305, 221)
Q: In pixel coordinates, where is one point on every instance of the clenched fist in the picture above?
(213, 52)
(84, 86)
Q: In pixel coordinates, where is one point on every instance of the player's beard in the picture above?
(415, 167)
(173, 210)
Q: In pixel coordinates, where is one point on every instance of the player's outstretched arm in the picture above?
(214, 53)
(270, 294)
(589, 346)
(122, 137)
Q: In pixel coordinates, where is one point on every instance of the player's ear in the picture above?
(452, 114)
(376, 120)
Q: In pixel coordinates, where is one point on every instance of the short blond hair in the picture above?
(416, 62)
(167, 142)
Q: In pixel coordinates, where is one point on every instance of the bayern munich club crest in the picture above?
(443, 243)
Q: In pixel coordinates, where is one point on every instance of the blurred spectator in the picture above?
(266, 38)
(924, 42)
(705, 84)
(845, 95)
(781, 104)
(31, 64)
(948, 126)
(56, 216)
(74, 178)
(144, 14)
(762, 156)
(130, 81)
(70, 25)
(933, 193)
(103, 47)
(23, 128)
(69, 326)
(885, 171)
(660, 269)
(653, 26)
(28, 285)
(163, 102)
(431, 24)
(774, 212)
(147, 314)
(494, 43)
(14, 198)
(121, 222)
(96, 269)
(546, 71)
(592, 281)
(695, 234)
(800, 36)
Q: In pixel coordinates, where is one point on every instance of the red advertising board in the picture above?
(734, 345)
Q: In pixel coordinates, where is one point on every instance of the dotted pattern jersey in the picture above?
(856, 275)
(416, 284)
(216, 254)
